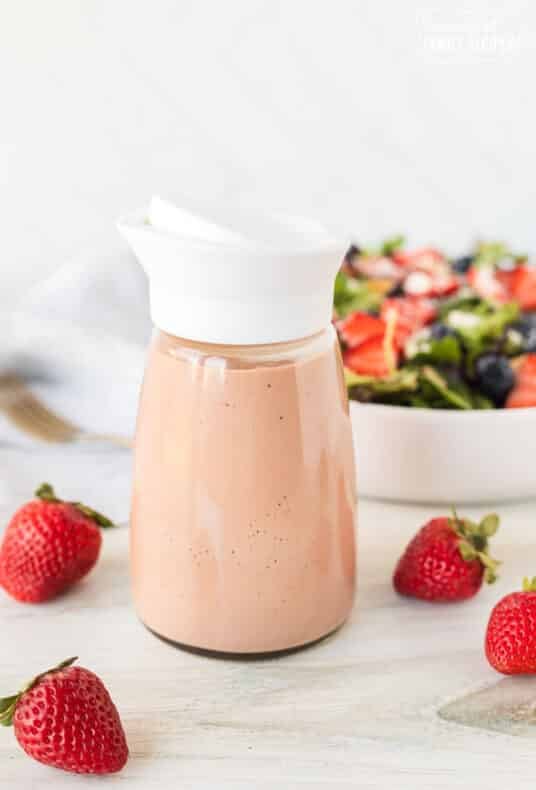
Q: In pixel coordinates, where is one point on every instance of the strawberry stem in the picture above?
(474, 541)
(46, 493)
(9, 704)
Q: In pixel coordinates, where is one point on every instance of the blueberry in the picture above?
(495, 377)
(396, 290)
(439, 331)
(353, 252)
(529, 319)
(526, 326)
(462, 265)
(527, 330)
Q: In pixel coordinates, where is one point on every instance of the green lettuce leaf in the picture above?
(392, 245)
(466, 302)
(484, 332)
(435, 389)
(427, 350)
(490, 253)
(425, 387)
(351, 294)
(366, 388)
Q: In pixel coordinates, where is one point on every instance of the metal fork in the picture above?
(29, 414)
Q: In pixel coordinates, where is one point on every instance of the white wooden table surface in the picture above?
(358, 710)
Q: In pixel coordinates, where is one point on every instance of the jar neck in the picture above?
(267, 352)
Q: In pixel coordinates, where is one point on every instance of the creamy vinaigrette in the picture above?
(244, 494)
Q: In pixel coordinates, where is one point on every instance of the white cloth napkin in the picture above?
(79, 340)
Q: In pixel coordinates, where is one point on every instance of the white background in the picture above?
(373, 116)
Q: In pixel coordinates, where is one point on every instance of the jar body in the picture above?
(242, 530)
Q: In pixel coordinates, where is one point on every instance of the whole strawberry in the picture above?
(511, 632)
(66, 718)
(48, 546)
(447, 560)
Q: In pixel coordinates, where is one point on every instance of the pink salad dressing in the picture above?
(244, 494)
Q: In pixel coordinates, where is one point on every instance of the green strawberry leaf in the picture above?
(7, 709)
(46, 493)
(467, 551)
(473, 543)
(489, 525)
(490, 577)
(98, 518)
(8, 704)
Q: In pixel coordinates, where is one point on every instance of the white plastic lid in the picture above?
(239, 279)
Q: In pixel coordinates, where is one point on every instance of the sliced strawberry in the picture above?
(413, 313)
(428, 273)
(426, 259)
(524, 392)
(506, 278)
(487, 284)
(523, 287)
(368, 359)
(446, 285)
(441, 283)
(521, 397)
(359, 327)
(377, 267)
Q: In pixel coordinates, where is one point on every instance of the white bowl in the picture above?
(451, 457)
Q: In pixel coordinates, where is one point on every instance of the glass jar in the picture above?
(242, 533)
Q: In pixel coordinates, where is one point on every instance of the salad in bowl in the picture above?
(420, 329)
(440, 364)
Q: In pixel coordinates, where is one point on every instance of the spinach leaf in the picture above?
(442, 351)
(351, 294)
(367, 388)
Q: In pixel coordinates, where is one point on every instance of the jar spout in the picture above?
(234, 281)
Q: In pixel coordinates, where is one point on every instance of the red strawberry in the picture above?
(511, 632)
(359, 327)
(376, 267)
(412, 314)
(368, 359)
(523, 394)
(48, 546)
(419, 283)
(426, 259)
(65, 718)
(447, 560)
(428, 272)
(506, 278)
(487, 284)
(523, 287)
